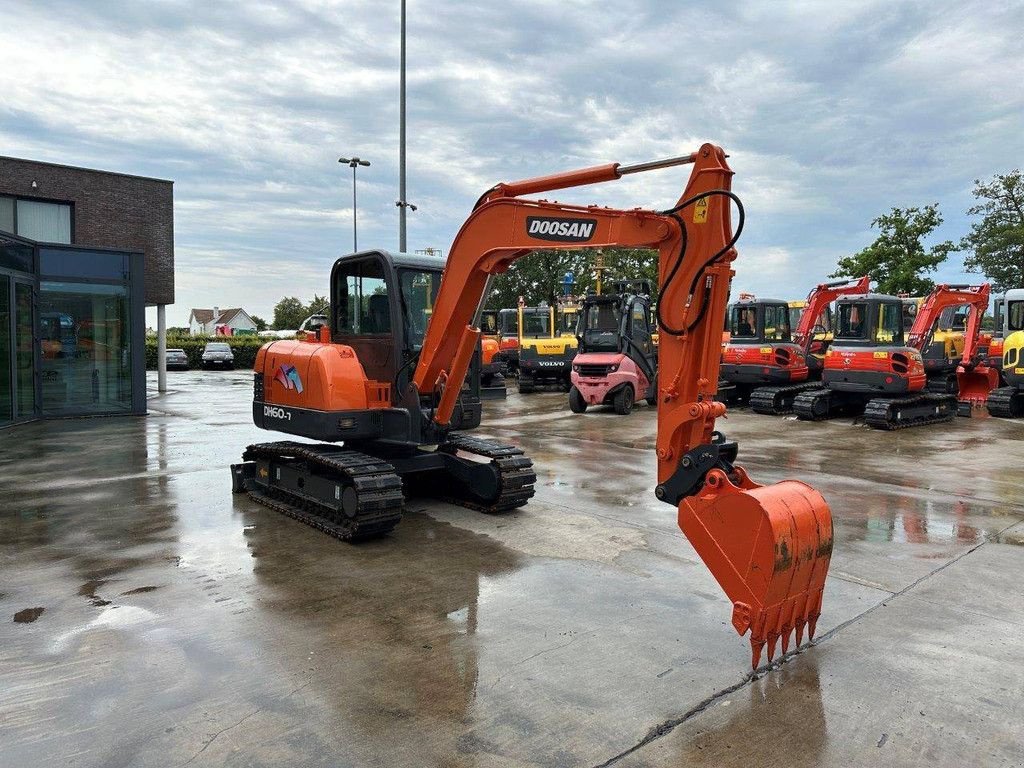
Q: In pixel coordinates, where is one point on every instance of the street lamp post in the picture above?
(353, 163)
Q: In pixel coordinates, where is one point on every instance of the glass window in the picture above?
(16, 255)
(69, 262)
(86, 351)
(6, 406)
(850, 322)
(743, 321)
(567, 321)
(419, 290)
(910, 307)
(362, 308)
(794, 316)
(7, 214)
(508, 320)
(640, 333)
(535, 323)
(1015, 315)
(890, 324)
(997, 320)
(776, 322)
(24, 384)
(46, 222)
(489, 322)
(601, 326)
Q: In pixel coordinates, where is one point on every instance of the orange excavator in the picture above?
(389, 386)
(895, 380)
(772, 365)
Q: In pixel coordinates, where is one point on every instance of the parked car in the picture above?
(217, 354)
(177, 360)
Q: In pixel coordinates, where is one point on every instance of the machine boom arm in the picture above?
(819, 298)
(976, 296)
(767, 546)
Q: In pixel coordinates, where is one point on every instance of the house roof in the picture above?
(205, 316)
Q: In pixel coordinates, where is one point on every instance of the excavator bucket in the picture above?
(975, 384)
(769, 548)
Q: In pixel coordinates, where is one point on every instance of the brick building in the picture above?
(82, 253)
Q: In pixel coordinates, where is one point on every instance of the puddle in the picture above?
(28, 615)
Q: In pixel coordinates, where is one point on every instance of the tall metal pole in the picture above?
(353, 163)
(401, 144)
(355, 237)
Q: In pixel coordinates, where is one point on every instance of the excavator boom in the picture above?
(767, 546)
(819, 298)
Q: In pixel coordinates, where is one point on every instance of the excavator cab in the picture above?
(761, 350)
(1008, 401)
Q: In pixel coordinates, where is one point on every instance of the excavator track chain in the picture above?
(942, 385)
(371, 504)
(778, 401)
(515, 473)
(893, 413)
(813, 404)
(1006, 403)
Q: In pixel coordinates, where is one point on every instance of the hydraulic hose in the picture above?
(672, 212)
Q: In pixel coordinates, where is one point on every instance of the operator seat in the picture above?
(378, 314)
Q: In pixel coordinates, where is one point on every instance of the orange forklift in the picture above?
(382, 390)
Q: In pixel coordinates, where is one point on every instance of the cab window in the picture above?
(850, 320)
(743, 322)
(362, 306)
(1015, 315)
(489, 323)
(890, 324)
(776, 322)
(535, 324)
(419, 290)
(640, 332)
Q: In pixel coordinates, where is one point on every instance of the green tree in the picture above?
(261, 324)
(539, 276)
(289, 313)
(898, 258)
(996, 243)
(318, 305)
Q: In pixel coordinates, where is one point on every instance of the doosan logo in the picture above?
(560, 230)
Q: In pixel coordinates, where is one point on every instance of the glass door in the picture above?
(24, 351)
(6, 353)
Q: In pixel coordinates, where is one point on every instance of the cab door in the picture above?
(363, 300)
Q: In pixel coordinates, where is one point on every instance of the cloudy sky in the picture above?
(832, 112)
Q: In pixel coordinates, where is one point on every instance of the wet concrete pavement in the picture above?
(180, 625)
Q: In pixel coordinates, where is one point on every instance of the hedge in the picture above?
(243, 347)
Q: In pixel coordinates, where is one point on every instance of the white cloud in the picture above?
(832, 113)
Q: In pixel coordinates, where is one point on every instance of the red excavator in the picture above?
(389, 387)
(870, 369)
(763, 358)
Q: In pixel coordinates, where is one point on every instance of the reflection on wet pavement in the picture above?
(159, 620)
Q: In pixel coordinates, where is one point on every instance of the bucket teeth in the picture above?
(756, 647)
(775, 572)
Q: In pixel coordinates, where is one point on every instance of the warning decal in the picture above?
(700, 211)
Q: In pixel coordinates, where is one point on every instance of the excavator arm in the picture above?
(767, 546)
(944, 296)
(819, 298)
